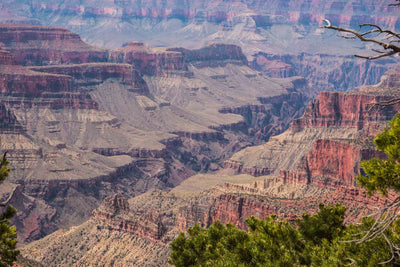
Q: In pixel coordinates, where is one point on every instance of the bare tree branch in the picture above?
(383, 104)
(5, 202)
(384, 219)
(371, 33)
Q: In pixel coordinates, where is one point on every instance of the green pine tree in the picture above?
(8, 233)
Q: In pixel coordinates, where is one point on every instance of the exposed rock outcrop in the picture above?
(326, 145)
(37, 45)
(214, 55)
(155, 218)
(94, 71)
(330, 163)
(323, 72)
(151, 61)
(334, 109)
(350, 12)
(174, 61)
(6, 58)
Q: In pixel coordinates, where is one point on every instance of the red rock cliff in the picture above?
(6, 58)
(330, 163)
(38, 45)
(339, 109)
(88, 71)
(150, 61)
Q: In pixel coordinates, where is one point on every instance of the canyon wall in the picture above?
(353, 109)
(324, 72)
(326, 144)
(77, 133)
(213, 55)
(340, 12)
(174, 61)
(151, 61)
(34, 45)
(315, 161)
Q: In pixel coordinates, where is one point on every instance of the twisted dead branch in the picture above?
(388, 40)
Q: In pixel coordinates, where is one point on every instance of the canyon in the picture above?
(129, 121)
(81, 123)
(315, 161)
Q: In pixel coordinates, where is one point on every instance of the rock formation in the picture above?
(149, 61)
(326, 144)
(324, 72)
(315, 161)
(36, 45)
(77, 133)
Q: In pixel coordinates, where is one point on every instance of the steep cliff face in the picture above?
(22, 87)
(18, 80)
(6, 58)
(330, 163)
(8, 121)
(324, 72)
(257, 24)
(313, 163)
(325, 146)
(90, 72)
(334, 109)
(270, 118)
(34, 45)
(174, 61)
(150, 61)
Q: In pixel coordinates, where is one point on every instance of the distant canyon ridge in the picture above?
(279, 38)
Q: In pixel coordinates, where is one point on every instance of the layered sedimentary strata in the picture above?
(21, 86)
(151, 61)
(94, 71)
(147, 223)
(326, 145)
(324, 72)
(8, 121)
(19, 80)
(330, 163)
(349, 110)
(213, 55)
(174, 61)
(6, 58)
(85, 131)
(314, 163)
(24, 87)
(37, 45)
(350, 12)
